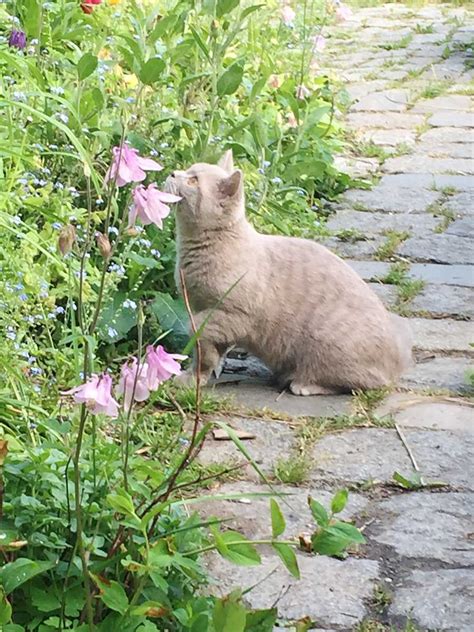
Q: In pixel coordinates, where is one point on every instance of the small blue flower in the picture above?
(59, 310)
(113, 230)
(16, 219)
(35, 370)
(129, 303)
(155, 252)
(277, 180)
(19, 286)
(144, 242)
(56, 225)
(112, 333)
(23, 297)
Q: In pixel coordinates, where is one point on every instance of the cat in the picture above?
(294, 304)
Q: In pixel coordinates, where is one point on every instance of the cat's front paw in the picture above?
(299, 388)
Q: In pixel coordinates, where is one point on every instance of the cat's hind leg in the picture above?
(302, 388)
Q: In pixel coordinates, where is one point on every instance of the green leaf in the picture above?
(32, 18)
(200, 43)
(229, 615)
(318, 511)
(230, 79)
(414, 482)
(288, 557)
(339, 501)
(86, 65)
(16, 573)
(5, 608)
(44, 600)
(225, 6)
(122, 502)
(246, 12)
(152, 70)
(334, 540)
(261, 620)
(234, 547)
(146, 262)
(278, 520)
(163, 26)
(112, 594)
(171, 315)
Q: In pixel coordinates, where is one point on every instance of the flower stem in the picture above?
(79, 517)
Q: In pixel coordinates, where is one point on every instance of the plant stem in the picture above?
(79, 521)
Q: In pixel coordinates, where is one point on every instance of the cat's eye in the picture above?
(192, 181)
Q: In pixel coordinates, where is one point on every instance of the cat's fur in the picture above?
(295, 305)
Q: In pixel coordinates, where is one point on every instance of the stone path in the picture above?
(409, 76)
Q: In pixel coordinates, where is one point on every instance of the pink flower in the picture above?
(319, 44)
(274, 81)
(302, 92)
(291, 119)
(150, 205)
(161, 365)
(287, 15)
(343, 12)
(96, 394)
(127, 166)
(127, 381)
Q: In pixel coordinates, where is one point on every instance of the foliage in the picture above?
(97, 522)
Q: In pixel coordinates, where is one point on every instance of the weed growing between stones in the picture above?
(407, 288)
(393, 240)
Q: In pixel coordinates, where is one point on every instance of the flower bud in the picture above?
(132, 231)
(66, 240)
(104, 246)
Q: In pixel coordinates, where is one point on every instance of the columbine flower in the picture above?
(287, 15)
(161, 365)
(319, 44)
(88, 6)
(274, 81)
(96, 394)
(128, 375)
(343, 12)
(302, 92)
(150, 205)
(127, 166)
(17, 39)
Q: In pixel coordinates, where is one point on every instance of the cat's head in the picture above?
(212, 196)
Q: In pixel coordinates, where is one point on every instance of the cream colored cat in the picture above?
(297, 306)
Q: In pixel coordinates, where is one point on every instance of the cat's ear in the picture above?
(232, 186)
(227, 162)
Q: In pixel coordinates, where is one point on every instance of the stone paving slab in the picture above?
(446, 135)
(258, 394)
(450, 102)
(393, 198)
(440, 301)
(433, 273)
(388, 137)
(443, 335)
(420, 163)
(438, 599)
(360, 249)
(438, 413)
(330, 591)
(374, 454)
(376, 223)
(461, 203)
(439, 373)
(438, 248)
(453, 118)
(428, 525)
(384, 120)
(360, 455)
(386, 101)
(273, 440)
(446, 150)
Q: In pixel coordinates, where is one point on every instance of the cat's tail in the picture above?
(404, 342)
